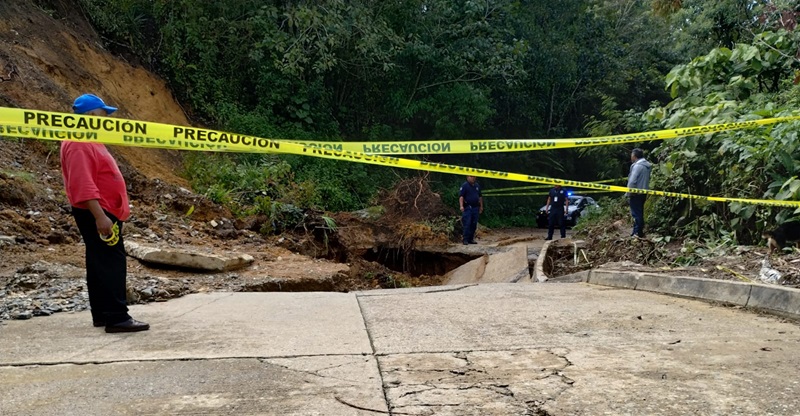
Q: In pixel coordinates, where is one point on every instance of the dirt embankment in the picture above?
(49, 54)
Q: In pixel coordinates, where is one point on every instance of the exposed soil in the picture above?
(51, 60)
(413, 200)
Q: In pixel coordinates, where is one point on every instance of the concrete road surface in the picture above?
(494, 349)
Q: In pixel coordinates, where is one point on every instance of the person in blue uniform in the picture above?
(471, 202)
(557, 206)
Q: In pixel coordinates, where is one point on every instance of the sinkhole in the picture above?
(417, 262)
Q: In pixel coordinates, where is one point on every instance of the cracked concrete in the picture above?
(499, 349)
(478, 382)
(298, 386)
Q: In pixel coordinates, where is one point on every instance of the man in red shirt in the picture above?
(96, 190)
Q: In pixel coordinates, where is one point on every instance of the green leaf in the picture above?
(748, 52)
(786, 160)
(748, 211)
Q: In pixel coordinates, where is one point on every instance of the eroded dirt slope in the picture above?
(50, 56)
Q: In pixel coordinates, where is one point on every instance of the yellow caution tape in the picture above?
(112, 239)
(516, 194)
(525, 188)
(578, 193)
(114, 131)
(526, 145)
(516, 189)
(21, 118)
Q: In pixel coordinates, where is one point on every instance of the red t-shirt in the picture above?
(90, 172)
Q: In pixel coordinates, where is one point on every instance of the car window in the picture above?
(577, 201)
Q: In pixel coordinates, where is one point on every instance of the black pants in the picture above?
(556, 216)
(106, 270)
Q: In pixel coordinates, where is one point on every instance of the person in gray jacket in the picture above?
(639, 178)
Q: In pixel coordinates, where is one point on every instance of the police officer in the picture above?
(557, 206)
(471, 201)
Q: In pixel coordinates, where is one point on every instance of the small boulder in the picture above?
(188, 259)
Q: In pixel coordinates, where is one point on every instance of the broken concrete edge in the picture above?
(508, 242)
(538, 270)
(304, 284)
(469, 250)
(522, 277)
(576, 277)
(776, 300)
(412, 291)
(187, 259)
(507, 267)
(469, 272)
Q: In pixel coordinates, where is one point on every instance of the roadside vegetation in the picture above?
(444, 69)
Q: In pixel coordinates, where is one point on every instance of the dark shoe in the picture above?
(466, 243)
(473, 242)
(548, 239)
(131, 325)
(98, 324)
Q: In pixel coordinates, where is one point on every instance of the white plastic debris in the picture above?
(767, 274)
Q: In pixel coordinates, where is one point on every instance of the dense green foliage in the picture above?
(423, 69)
(747, 82)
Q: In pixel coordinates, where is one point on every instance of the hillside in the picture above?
(49, 55)
(47, 58)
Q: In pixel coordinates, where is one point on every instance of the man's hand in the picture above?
(462, 209)
(481, 211)
(104, 225)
